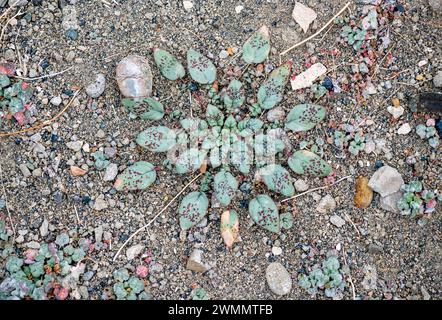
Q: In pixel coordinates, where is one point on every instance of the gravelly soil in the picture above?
(407, 256)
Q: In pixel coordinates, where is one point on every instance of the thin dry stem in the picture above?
(155, 217)
(349, 275)
(45, 76)
(44, 123)
(315, 189)
(317, 33)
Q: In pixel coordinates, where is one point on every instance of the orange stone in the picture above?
(396, 102)
(363, 194)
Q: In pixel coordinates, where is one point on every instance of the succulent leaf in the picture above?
(138, 176)
(257, 47)
(201, 69)
(190, 160)
(264, 212)
(169, 66)
(229, 227)
(234, 96)
(155, 110)
(304, 117)
(225, 186)
(278, 179)
(271, 92)
(192, 209)
(157, 139)
(306, 162)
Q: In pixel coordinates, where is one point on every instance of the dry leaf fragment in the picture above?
(306, 78)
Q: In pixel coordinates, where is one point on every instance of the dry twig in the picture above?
(319, 31)
(45, 76)
(9, 9)
(155, 217)
(44, 123)
(8, 22)
(315, 189)
(349, 275)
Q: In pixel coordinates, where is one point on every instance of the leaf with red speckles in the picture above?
(225, 186)
(20, 117)
(157, 139)
(306, 162)
(264, 212)
(271, 92)
(192, 209)
(278, 179)
(201, 69)
(138, 176)
(169, 66)
(257, 47)
(304, 117)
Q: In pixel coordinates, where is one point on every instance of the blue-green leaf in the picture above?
(257, 47)
(241, 156)
(155, 110)
(169, 66)
(271, 92)
(157, 139)
(264, 212)
(214, 116)
(138, 176)
(190, 160)
(278, 179)
(192, 209)
(201, 69)
(306, 162)
(304, 117)
(234, 96)
(225, 186)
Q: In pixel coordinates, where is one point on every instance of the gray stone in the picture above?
(326, 204)
(111, 172)
(437, 80)
(24, 170)
(134, 251)
(100, 204)
(389, 203)
(375, 249)
(195, 263)
(386, 180)
(96, 89)
(75, 145)
(337, 221)
(44, 228)
(56, 101)
(370, 281)
(33, 245)
(278, 279)
(98, 231)
(301, 185)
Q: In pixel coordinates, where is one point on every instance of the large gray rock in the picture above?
(278, 279)
(386, 180)
(134, 77)
(389, 203)
(195, 262)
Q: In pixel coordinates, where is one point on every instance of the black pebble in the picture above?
(85, 199)
(44, 63)
(328, 83)
(439, 127)
(378, 164)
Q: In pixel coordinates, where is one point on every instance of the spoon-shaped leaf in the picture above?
(192, 209)
(214, 116)
(278, 179)
(169, 66)
(271, 92)
(306, 162)
(138, 176)
(264, 212)
(257, 47)
(241, 156)
(201, 69)
(229, 227)
(190, 160)
(225, 186)
(304, 117)
(157, 139)
(234, 96)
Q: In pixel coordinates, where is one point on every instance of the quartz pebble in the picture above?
(134, 77)
(278, 279)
